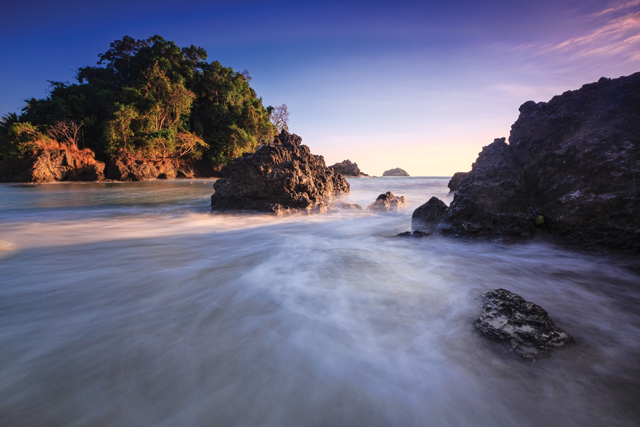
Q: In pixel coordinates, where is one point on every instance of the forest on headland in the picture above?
(149, 100)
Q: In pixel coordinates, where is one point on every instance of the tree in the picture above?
(280, 118)
(152, 98)
(65, 131)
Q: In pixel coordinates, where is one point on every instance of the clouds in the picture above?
(613, 32)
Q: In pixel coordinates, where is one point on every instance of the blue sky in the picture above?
(417, 85)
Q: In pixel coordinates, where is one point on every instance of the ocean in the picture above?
(131, 304)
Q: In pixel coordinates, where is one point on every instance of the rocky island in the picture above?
(395, 172)
(280, 177)
(347, 168)
(574, 159)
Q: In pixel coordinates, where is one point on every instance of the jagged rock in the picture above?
(348, 168)
(527, 327)
(395, 172)
(56, 165)
(388, 202)
(429, 215)
(576, 157)
(279, 177)
(455, 180)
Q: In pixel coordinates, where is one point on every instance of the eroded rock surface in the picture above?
(526, 326)
(56, 165)
(455, 180)
(395, 172)
(279, 177)
(348, 168)
(387, 202)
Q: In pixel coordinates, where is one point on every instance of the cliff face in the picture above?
(279, 177)
(576, 158)
(55, 165)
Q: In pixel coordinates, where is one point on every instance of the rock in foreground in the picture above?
(348, 168)
(575, 158)
(526, 326)
(387, 202)
(395, 172)
(279, 178)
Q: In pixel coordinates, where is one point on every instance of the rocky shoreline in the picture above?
(574, 160)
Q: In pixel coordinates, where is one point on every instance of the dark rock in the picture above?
(455, 180)
(395, 172)
(55, 165)
(388, 202)
(348, 168)
(526, 326)
(576, 157)
(429, 215)
(279, 177)
(416, 233)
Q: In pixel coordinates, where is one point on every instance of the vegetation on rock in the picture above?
(149, 99)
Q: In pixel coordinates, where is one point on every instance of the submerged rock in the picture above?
(395, 172)
(416, 233)
(388, 202)
(348, 168)
(576, 158)
(455, 180)
(279, 177)
(55, 165)
(429, 215)
(526, 326)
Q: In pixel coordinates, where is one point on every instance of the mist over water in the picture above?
(132, 304)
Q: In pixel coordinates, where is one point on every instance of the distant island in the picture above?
(348, 168)
(395, 172)
(149, 109)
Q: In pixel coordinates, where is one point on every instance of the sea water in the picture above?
(131, 304)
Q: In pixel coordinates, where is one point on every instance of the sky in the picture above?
(412, 84)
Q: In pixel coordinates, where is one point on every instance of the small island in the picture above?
(395, 172)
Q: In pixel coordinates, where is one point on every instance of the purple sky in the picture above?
(414, 85)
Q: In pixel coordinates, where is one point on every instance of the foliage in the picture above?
(150, 98)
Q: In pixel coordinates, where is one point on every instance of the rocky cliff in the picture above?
(575, 158)
(54, 165)
(279, 177)
(123, 167)
(348, 168)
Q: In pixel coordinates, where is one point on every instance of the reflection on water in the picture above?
(133, 305)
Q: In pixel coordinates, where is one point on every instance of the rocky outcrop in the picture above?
(123, 167)
(55, 165)
(455, 180)
(576, 158)
(279, 177)
(347, 168)
(527, 327)
(387, 202)
(428, 215)
(395, 172)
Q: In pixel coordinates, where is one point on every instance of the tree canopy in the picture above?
(150, 98)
